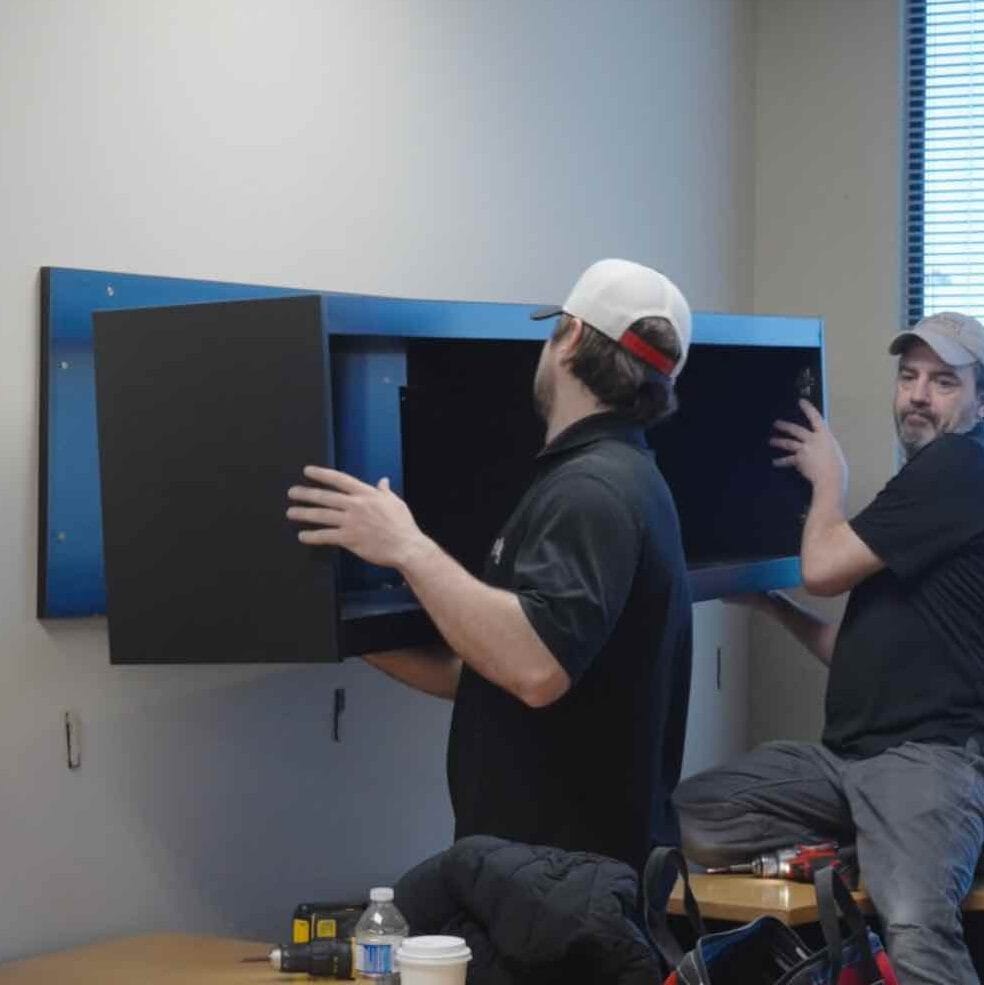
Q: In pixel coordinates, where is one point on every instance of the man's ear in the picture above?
(572, 339)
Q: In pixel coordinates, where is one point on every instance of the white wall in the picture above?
(828, 193)
(483, 150)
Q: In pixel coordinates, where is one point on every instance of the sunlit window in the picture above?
(945, 157)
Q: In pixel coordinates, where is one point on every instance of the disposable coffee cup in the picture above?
(433, 960)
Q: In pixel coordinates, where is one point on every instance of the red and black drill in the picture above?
(797, 863)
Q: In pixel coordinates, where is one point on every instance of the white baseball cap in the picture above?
(611, 295)
(957, 339)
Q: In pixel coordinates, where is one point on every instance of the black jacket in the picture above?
(532, 914)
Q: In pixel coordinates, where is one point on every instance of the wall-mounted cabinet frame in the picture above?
(406, 384)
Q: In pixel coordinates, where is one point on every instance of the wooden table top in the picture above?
(743, 898)
(153, 959)
(186, 959)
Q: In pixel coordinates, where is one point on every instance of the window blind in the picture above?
(945, 157)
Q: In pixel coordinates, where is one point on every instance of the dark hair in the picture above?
(619, 379)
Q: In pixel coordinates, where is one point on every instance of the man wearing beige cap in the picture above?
(569, 661)
(900, 770)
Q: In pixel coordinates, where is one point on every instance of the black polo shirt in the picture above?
(909, 660)
(593, 551)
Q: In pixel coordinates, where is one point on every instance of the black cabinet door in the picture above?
(197, 448)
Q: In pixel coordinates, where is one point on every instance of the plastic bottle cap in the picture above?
(434, 950)
(381, 894)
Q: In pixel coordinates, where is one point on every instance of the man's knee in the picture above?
(925, 942)
(908, 921)
(707, 823)
(701, 846)
(688, 794)
(696, 806)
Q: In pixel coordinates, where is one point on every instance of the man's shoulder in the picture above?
(607, 469)
(961, 456)
(970, 443)
(610, 459)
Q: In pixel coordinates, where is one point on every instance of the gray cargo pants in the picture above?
(916, 814)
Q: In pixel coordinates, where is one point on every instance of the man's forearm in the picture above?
(432, 669)
(825, 514)
(485, 626)
(833, 557)
(826, 509)
(816, 634)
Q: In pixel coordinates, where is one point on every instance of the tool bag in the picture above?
(765, 951)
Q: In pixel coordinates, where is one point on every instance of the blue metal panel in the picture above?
(74, 583)
(773, 330)
(366, 381)
(360, 314)
(741, 578)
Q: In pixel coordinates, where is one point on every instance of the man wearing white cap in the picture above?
(569, 661)
(900, 769)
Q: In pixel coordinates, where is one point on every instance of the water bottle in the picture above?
(378, 936)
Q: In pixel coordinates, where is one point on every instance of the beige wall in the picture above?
(828, 193)
(482, 150)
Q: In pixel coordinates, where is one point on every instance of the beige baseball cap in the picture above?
(613, 294)
(957, 339)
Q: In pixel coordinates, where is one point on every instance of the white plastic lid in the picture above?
(381, 894)
(434, 950)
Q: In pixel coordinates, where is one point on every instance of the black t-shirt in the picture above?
(909, 660)
(593, 552)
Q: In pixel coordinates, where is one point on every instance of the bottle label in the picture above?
(374, 959)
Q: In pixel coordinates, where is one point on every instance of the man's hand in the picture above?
(370, 521)
(814, 451)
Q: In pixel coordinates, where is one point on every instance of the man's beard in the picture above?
(543, 394)
(913, 439)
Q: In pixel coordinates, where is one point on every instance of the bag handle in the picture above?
(833, 896)
(663, 862)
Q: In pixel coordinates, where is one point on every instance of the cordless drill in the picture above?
(796, 864)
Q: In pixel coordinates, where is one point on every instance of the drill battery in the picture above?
(325, 921)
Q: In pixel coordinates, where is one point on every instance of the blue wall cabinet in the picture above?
(176, 413)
